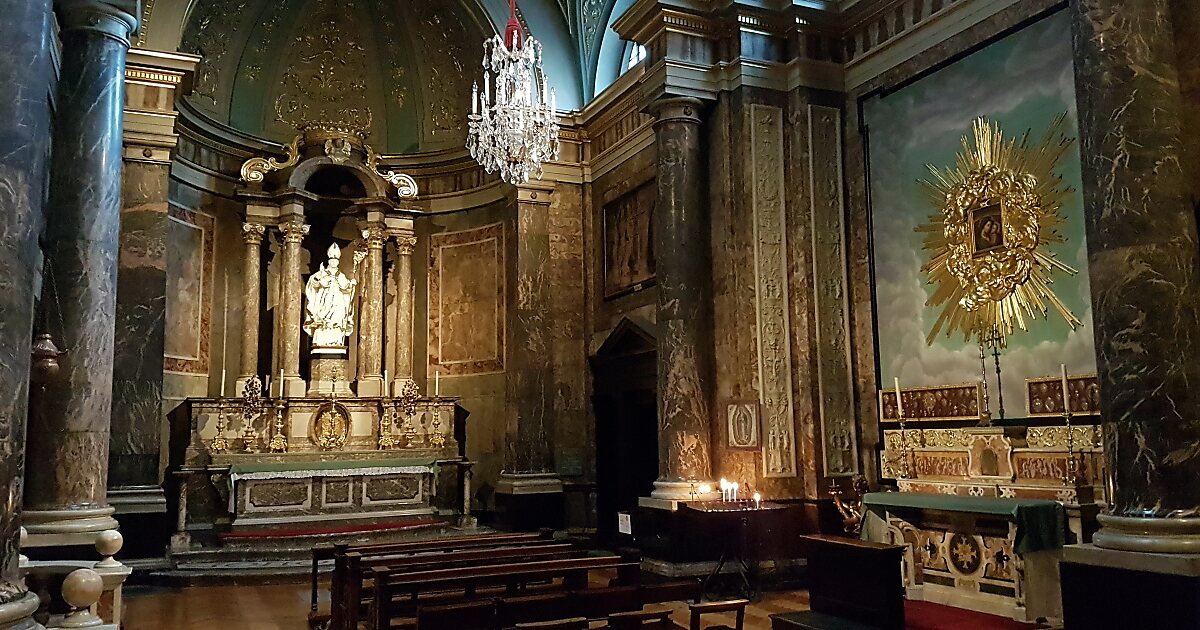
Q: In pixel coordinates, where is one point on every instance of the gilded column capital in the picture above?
(252, 233)
(374, 236)
(112, 18)
(405, 244)
(294, 231)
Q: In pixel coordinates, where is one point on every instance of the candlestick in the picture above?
(1065, 389)
(899, 403)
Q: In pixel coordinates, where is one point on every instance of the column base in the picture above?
(60, 528)
(18, 615)
(1156, 590)
(1148, 535)
(295, 387)
(529, 501)
(667, 495)
(370, 386)
(138, 499)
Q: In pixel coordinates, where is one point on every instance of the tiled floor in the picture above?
(286, 608)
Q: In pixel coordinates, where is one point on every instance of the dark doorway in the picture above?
(626, 403)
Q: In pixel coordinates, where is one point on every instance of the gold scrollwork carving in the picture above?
(255, 169)
(996, 214)
(406, 186)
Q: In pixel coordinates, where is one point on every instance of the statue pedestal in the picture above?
(328, 369)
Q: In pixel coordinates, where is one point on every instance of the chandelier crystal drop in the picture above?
(512, 127)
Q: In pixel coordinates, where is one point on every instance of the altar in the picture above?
(323, 429)
(990, 554)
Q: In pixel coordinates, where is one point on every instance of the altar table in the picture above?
(989, 554)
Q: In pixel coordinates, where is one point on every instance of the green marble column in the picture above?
(1143, 263)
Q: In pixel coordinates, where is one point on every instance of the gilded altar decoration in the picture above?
(255, 169)
(1044, 396)
(251, 409)
(329, 297)
(942, 402)
(989, 239)
(330, 426)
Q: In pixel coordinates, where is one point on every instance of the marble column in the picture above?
(529, 434)
(683, 272)
(65, 498)
(27, 72)
(403, 369)
(1142, 263)
(252, 236)
(291, 287)
(370, 322)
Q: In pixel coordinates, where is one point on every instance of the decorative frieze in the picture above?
(771, 292)
(834, 378)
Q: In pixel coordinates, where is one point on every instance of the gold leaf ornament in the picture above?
(996, 216)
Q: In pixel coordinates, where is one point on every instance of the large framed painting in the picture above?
(629, 241)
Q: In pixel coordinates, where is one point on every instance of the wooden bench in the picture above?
(397, 594)
(353, 576)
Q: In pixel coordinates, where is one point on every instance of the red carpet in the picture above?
(930, 616)
(318, 531)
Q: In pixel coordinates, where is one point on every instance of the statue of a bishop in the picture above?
(330, 296)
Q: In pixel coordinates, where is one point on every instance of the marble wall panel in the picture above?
(467, 301)
(140, 326)
(574, 425)
(190, 290)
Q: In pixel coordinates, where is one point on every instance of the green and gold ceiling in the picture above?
(401, 69)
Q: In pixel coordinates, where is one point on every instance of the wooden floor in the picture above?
(286, 608)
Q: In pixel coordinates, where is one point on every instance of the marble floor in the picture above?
(285, 607)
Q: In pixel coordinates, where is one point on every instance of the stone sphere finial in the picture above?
(82, 589)
(108, 543)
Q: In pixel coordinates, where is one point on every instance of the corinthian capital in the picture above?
(405, 243)
(294, 231)
(252, 233)
(374, 236)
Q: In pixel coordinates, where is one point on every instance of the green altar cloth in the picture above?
(1041, 524)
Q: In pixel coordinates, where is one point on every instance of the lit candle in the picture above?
(385, 384)
(734, 487)
(1066, 390)
(705, 489)
(757, 501)
(475, 98)
(899, 402)
(724, 489)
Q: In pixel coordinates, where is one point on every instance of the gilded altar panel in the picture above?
(466, 301)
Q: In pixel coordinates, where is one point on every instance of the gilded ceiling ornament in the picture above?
(256, 168)
(996, 214)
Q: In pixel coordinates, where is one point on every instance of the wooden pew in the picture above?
(395, 592)
(482, 541)
(353, 580)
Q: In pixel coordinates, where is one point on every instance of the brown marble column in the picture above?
(684, 285)
(65, 497)
(1142, 263)
(290, 289)
(252, 235)
(26, 68)
(403, 370)
(529, 433)
(370, 322)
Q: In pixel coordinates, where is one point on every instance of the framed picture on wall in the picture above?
(741, 424)
(629, 241)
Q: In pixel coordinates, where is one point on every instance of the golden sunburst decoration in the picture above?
(989, 238)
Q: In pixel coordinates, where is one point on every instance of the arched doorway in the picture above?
(626, 404)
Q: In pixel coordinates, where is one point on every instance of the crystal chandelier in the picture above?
(512, 127)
